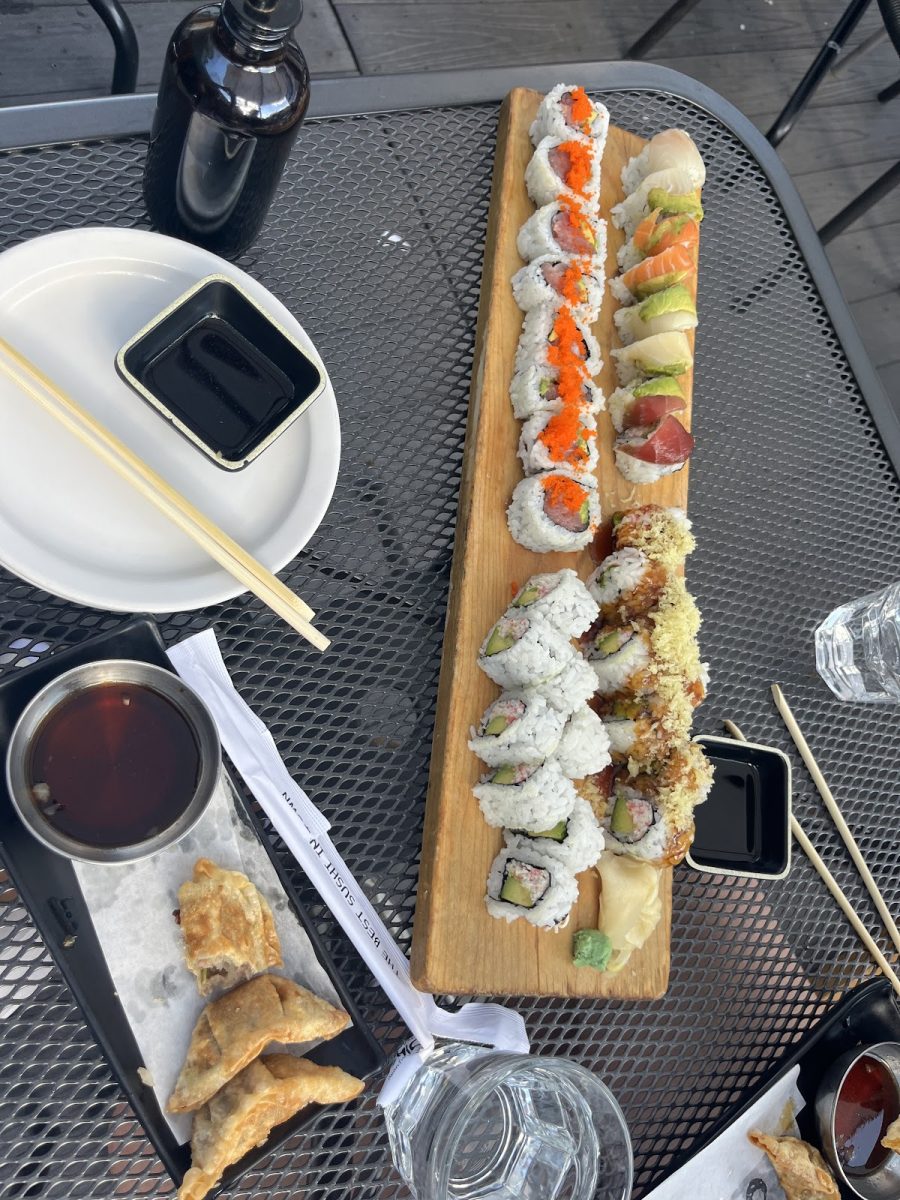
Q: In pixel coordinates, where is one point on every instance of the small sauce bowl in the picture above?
(858, 1098)
(113, 761)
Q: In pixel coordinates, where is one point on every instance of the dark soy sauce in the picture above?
(730, 833)
(867, 1104)
(229, 388)
(113, 765)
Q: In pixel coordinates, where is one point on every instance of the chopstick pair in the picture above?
(815, 858)
(171, 503)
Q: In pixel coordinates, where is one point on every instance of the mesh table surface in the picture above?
(375, 242)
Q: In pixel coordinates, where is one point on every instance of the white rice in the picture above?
(551, 122)
(629, 256)
(530, 526)
(536, 238)
(537, 329)
(620, 292)
(650, 848)
(617, 576)
(571, 688)
(526, 397)
(621, 736)
(580, 849)
(583, 748)
(635, 469)
(542, 182)
(564, 602)
(538, 653)
(531, 737)
(531, 289)
(550, 912)
(614, 670)
(545, 797)
(536, 456)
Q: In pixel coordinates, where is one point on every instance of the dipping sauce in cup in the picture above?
(113, 761)
(866, 1105)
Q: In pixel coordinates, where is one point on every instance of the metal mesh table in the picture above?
(375, 243)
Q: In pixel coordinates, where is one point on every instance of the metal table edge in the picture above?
(28, 126)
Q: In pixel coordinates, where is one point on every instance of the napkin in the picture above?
(132, 909)
(731, 1167)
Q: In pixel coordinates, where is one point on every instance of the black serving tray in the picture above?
(867, 1015)
(49, 889)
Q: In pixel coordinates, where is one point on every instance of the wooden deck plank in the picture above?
(68, 51)
(865, 260)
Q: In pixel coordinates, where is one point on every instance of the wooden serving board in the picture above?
(457, 947)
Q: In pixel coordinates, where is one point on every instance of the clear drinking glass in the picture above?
(476, 1124)
(858, 648)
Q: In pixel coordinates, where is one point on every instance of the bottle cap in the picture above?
(261, 23)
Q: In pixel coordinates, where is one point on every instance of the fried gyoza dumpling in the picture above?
(243, 1114)
(801, 1169)
(239, 1025)
(229, 933)
(891, 1139)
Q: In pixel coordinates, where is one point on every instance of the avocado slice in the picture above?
(609, 643)
(667, 227)
(660, 283)
(671, 299)
(498, 642)
(621, 823)
(505, 776)
(584, 514)
(516, 893)
(528, 596)
(496, 726)
(673, 202)
(556, 833)
(663, 386)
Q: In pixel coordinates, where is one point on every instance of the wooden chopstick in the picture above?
(130, 467)
(836, 815)
(834, 887)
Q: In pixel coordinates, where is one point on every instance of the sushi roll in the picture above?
(644, 729)
(554, 278)
(568, 166)
(568, 110)
(544, 390)
(646, 454)
(676, 265)
(583, 748)
(627, 585)
(650, 816)
(560, 599)
(673, 308)
(522, 650)
(534, 796)
(673, 148)
(660, 354)
(619, 656)
(663, 534)
(576, 841)
(518, 727)
(671, 191)
(531, 885)
(554, 511)
(564, 440)
(645, 403)
(571, 688)
(563, 227)
(555, 336)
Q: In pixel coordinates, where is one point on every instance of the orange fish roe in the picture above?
(567, 437)
(570, 385)
(570, 288)
(582, 109)
(562, 492)
(579, 217)
(580, 164)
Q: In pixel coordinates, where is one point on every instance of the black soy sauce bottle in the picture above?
(233, 93)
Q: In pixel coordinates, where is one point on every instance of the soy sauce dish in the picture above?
(112, 761)
(858, 1099)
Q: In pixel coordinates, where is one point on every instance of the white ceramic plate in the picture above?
(68, 301)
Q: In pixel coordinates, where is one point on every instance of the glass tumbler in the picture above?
(476, 1124)
(858, 648)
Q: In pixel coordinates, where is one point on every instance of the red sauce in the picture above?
(868, 1102)
(113, 765)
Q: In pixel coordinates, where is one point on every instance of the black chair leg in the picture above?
(861, 204)
(889, 93)
(660, 28)
(121, 30)
(813, 77)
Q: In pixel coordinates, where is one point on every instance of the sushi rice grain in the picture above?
(583, 748)
(538, 797)
(579, 849)
(552, 910)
